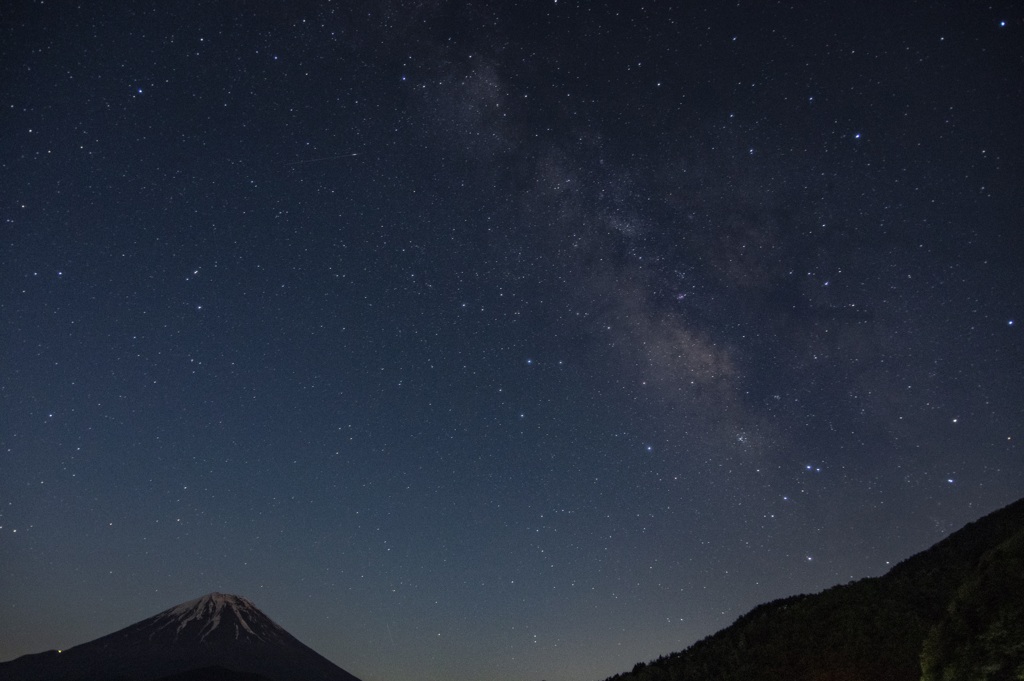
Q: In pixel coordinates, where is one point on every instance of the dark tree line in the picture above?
(955, 611)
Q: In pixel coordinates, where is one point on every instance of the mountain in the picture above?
(954, 611)
(217, 637)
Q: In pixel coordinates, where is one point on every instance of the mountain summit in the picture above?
(218, 617)
(216, 636)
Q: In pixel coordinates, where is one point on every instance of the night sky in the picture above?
(499, 341)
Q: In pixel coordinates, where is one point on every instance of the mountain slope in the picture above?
(189, 641)
(963, 595)
(982, 635)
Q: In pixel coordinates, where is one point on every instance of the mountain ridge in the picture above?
(212, 632)
(876, 627)
(952, 611)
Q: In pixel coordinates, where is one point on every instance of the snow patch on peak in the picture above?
(207, 610)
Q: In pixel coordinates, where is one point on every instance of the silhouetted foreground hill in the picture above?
(217, 637)
(952, 612)
(214, 674)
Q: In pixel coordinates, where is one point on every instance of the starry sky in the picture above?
(499, 340)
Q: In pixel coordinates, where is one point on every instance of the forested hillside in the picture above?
(954, 611)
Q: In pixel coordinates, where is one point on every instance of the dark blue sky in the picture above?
(489, 342)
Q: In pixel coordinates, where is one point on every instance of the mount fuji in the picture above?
(216, 637)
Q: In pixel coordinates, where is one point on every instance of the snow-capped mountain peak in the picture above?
(217, 630)
(202, 616)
